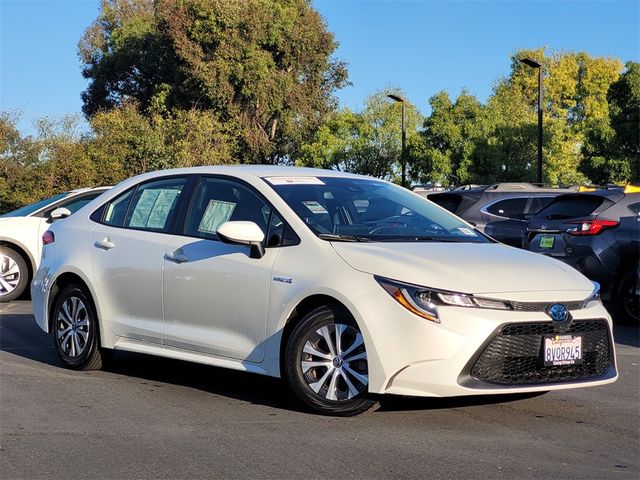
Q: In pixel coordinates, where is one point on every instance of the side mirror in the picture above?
(243, 233)
(59, 213)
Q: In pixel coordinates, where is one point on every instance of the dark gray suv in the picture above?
(598, 233)
(501, 210)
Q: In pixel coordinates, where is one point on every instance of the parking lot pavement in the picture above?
(146, 417)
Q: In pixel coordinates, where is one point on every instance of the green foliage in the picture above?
(263, 66)
(611, 149)
(367, 142)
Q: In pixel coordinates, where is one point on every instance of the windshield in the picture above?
(348, 209)
(34, 207)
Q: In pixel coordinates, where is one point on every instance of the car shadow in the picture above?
(19, 335)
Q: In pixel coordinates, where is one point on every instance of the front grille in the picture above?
(513, 357)
(544, 306)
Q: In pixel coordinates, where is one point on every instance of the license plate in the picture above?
(562, 350)
(546, 241)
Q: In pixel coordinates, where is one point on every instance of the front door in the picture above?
(215, 295)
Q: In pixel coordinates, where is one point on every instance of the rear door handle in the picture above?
(176, 257)
(104, 244)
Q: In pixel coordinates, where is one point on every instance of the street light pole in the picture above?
(534, 64)
(404, 139)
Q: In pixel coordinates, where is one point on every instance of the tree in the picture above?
(263, 66)
(125, 142)
(611, 149)
(367, 142)
(444, 150)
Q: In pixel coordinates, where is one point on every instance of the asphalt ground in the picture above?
(146, 417)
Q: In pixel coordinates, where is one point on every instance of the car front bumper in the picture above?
(409, 355)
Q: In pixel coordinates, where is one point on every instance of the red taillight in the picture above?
(48, 237)
(591, 227)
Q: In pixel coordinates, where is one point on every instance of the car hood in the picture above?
(473, 268)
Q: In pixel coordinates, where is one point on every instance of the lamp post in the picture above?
(404, 139)
(534, 64)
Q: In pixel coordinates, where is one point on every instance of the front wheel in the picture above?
(75, 330)
(326, 363)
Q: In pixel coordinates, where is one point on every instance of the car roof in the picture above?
(87, 189)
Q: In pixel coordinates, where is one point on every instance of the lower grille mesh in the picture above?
(514, 356)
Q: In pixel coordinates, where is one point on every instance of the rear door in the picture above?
(504, 219)
(128, 247)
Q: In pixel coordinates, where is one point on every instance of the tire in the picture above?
(627, 299)
(328, 377)
(75, 329)
(14, 274)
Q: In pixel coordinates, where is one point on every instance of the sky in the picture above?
(422, 47)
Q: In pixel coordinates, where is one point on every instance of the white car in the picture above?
(344, 285)
(21, 237)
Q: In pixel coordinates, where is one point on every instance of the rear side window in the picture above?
(571, 207)
(509, 208)
(153, 205)
(150, 206)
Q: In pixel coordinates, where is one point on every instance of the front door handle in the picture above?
(176, 257)
(104, 244)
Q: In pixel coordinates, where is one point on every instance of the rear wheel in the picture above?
(75, 330)
(14, 274)
(628, 298)
(326, 363)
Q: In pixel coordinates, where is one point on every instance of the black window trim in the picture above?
(185, 202)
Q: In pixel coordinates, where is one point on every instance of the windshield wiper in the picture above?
(342, 238)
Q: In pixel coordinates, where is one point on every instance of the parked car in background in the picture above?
(343, 285)
(598, 233)
(500, 210)
(21, 233)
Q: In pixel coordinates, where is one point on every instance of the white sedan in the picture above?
(20, 237)
(343, 285)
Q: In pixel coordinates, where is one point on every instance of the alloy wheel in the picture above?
(72, 327)
(9, 275)
(334, 362)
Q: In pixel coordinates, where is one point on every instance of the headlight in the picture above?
(594, 298)
(424, 301)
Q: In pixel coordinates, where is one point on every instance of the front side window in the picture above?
(216, 201)
(354, 209)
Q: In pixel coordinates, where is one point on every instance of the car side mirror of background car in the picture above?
(243, 233)
(59, 213)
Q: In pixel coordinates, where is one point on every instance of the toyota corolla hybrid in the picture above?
(343, 285)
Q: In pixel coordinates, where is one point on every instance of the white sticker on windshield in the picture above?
(467, 231)
(294, 181)
(315, 207)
